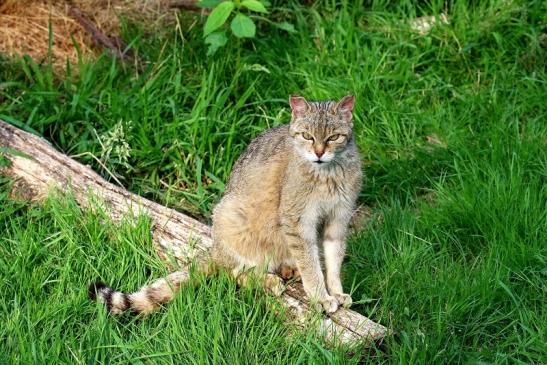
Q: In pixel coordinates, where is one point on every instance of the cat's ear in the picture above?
(345, 107)
(299, 106)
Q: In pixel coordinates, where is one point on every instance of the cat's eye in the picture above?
(333, 138)
(307, 136)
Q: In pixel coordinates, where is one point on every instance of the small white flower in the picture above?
(115, 148)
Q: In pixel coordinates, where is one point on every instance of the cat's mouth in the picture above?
(319, 162)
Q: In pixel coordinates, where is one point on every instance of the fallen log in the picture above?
(36, 167)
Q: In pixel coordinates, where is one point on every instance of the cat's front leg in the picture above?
(302, 245)
(334, 249)
(313, 280)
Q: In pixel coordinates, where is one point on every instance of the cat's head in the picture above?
(321, 130)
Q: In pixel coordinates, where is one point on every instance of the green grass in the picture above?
(47, 260)
(454, 259)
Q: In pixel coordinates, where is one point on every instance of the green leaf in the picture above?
(254, 5)
(218, 17)
(243, 27)
(215, 41)
(208, 3)
(285, 26)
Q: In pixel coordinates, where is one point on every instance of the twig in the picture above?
(186, 5)
(115, 44)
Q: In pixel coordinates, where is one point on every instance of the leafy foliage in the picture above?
(241, 26)
(218, 16)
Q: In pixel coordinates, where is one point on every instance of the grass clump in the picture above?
(49, 255)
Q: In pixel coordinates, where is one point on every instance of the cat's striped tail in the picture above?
(144, 301)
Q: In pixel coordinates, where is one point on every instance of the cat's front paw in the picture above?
(329, 304)
(343, 299)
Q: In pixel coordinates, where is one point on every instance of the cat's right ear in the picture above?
(345, 107)
(299, 106)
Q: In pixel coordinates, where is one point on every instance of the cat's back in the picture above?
(264, 159)
(266, 145)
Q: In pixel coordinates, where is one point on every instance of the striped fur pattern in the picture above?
(144, 301)
(285, 210)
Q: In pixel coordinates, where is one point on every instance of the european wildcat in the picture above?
(287, 203)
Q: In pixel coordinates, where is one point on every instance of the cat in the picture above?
(285, 210)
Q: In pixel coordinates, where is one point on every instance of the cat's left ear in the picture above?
(345, 108)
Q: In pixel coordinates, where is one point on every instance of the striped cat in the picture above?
(285, 210)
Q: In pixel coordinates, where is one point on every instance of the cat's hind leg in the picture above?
(270, 281)
(289, 272)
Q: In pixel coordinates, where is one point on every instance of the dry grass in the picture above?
(24, 25)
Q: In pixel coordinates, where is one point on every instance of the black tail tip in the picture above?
(94, 288)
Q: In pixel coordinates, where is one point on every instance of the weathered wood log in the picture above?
(37, 167)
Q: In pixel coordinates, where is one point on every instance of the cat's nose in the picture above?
(319, 153)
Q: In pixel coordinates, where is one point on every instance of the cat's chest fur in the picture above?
(325, 193)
